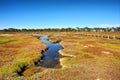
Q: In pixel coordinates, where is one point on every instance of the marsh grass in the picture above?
(18, 52)
(84, 63)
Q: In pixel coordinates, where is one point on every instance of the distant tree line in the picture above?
(85, 29)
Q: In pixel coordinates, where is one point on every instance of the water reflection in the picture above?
(50, 58)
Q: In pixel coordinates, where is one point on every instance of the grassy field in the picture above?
(85, 58)
(18, 52)
(94, 58)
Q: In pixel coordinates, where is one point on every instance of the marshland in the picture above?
(56, 55)
(59, 39)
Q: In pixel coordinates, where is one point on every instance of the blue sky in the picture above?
(59, 13)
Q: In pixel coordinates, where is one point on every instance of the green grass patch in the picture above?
(5, 39)
(78, 47)
(109, 45)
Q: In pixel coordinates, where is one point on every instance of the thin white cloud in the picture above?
(109, 25)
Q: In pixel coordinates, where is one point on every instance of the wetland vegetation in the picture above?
(84, 57)
(59, 39)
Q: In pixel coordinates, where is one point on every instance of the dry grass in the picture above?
(18, 51)
(96, 60)
(87, 58)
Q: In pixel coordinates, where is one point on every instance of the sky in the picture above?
(59, 13)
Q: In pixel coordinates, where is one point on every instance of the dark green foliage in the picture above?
(85, 29)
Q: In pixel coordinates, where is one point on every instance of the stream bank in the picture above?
(50, 58)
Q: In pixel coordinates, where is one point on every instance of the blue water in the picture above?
(51, 57)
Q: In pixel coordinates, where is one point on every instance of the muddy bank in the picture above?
(50, 58)
(62, 51)
(29, 69)
(55, 40)
(64, 55)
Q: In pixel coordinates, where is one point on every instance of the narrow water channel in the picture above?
(50, 58)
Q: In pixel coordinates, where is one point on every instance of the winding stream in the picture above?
(50, 58)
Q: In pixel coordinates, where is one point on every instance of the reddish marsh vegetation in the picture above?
(17, 52)
(86, 58)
